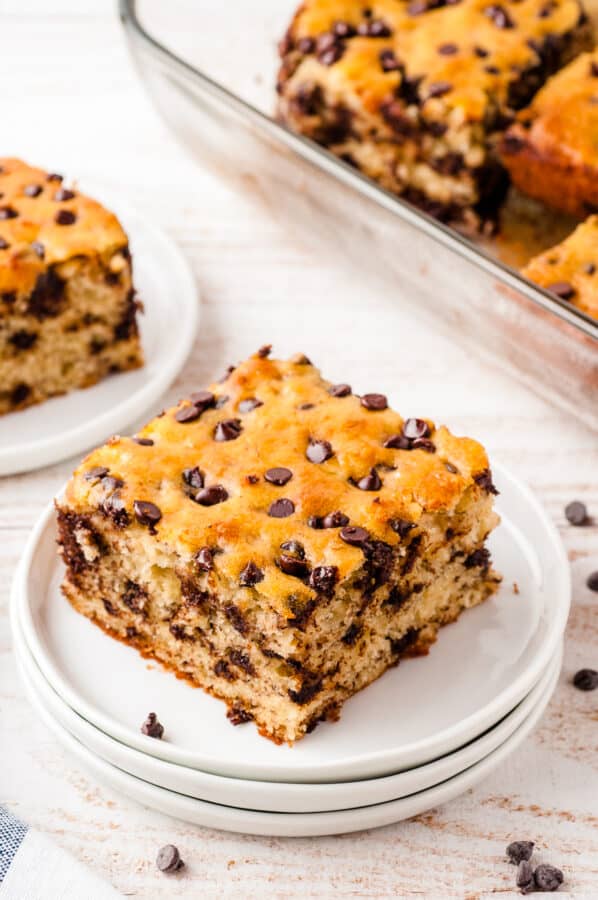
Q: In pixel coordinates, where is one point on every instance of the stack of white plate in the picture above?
(422, 734)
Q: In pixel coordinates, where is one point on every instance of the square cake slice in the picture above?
(67, 303)
(414, 93)
(279, 540)
(570, 269)
(551, 152)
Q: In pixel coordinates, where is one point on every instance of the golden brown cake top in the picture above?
(570, 270)
(564, 114)
(275, 454)
(43, 222)
(468, 55)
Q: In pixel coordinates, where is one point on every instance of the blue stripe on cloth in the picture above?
(12, 833)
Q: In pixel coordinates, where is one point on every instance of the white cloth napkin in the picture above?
(34, 868)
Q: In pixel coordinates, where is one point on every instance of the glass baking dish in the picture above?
(210, 70)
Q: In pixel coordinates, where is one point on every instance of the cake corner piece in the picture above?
(67, 302)
(279, 540)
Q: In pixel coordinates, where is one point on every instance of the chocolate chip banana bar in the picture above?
(279, 540)
(570, 269)
(67, 303)
(415, 92)
(551, 152)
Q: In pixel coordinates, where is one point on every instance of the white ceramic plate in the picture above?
(68, 425)
(246, 821)
(278, 796)
(479, 670)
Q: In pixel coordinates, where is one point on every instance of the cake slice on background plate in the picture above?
(67, 302)
(279, 540)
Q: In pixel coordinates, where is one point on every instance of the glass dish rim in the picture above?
(346, 174)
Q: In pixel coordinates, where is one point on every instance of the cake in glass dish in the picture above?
(415, 93)
(67, 303)
(570, 269)
(279, 540)
(551, 151)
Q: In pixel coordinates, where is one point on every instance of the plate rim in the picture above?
(27, 456)
(367, 765)
(293, 793)
(238, 820)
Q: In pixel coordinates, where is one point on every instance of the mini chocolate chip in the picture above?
(548, 878)
(7, 212)
(306, 45)
(65, 217)
(229, 371)
(525, 877)
(38, 248)
(32, 190)
(203, 400)
(388, 60)
(204, 559)
(169, 859)
(374, 402)
(586, 680)
(96, 474)
(210, 496)
(146, 513)
(415, 428)
(343, 29)
(53, 176)
(518, 851)
(319, 451)
(423, 444)
(292, 565)
(187, 414)
(397, 442)
(335, 520)
(110, 483)
(193, 477)
(451, 468)
(592, 581)
(484, 480)
(401, 526)
(314, 522)
(294, 547)
(252, 479)
(323, 579)
(63, 194)
(151, 727)
(492, 70)
(228, 430)
(589, 268)
(250, 403)
(371, 482)
(499, 16)
(594, 69)
(250, 575)
(448, 49)
(143, 441)
(282, 508)
(278, 475)
(439, 88)
(480, 51)
(4, 245)
(576, 513)
(562, 289)
(375, 28)
(339, 390)
(23, 340)
(417, 7)
(354, 535)
(306, 406)
(264, 351)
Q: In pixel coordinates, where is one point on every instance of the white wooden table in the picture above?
(71, 102)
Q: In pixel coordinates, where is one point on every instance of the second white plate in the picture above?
(279, 796)
(478, 671)
(68, 425)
